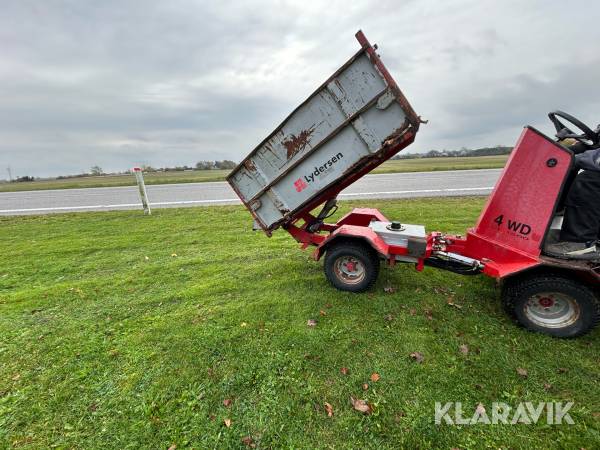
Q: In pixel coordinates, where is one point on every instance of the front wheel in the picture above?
(352, 267)
(553, 305)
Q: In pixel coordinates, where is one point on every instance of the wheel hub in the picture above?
(552, 309)
(546, 302)
(349, 269)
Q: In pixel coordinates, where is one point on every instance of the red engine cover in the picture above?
(520, 208)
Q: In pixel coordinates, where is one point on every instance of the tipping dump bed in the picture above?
(352, 123)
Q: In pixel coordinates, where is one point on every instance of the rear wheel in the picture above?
(553, 305)
(352, 267)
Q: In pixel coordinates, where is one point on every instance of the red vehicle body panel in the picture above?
(511, 229)
(521, 206)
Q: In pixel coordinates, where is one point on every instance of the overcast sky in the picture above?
(164, 83)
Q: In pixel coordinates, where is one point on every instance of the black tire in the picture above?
(364, 260)
(552, 305)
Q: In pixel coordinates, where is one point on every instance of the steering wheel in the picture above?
(588, 137)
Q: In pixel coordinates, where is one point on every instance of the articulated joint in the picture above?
(455, 257)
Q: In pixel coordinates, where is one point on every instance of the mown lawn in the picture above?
(196, 176)
(119, 331)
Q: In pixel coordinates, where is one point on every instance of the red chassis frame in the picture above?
(509, 234)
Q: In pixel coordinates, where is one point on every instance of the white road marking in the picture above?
(226, 200)
(420, 191)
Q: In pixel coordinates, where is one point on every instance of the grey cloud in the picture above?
(524, 99)
(119, 83)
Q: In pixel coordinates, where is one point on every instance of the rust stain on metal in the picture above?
(295, 144)
(340, 87)
(249, 164)
(396, 135)
(268, 148)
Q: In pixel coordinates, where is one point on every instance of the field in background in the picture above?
(438, 164)
(119, 330)
(406, 165)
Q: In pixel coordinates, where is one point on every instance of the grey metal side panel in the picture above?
(345, 121)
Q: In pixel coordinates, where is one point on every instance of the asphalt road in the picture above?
(393, 185)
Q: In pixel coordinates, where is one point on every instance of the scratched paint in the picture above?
(352, 123)
(296, 144)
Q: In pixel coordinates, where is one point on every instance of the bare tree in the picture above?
(96, 170)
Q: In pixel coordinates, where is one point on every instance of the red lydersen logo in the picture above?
(300, 184)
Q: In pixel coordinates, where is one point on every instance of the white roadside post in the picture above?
(142, 188)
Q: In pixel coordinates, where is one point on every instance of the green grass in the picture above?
(407, 165)
(437, 164)
(194, 176)
(108, 340)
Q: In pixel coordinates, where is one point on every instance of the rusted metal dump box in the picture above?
(356, 120)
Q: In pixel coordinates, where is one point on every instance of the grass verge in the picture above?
(196, 176)
(119, 330)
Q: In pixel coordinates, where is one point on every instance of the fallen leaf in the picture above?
(522, 372)
(547, 386)
(361, 405)
(388, 318)
(328, 305)
(480, 410)
(417, 356)
(478, 386)
(16, 376)
(323, 313)
(227, 402)
(389, 290)
(227, 422)
(248, 442)
(450, 302)
(311, 322)
(562, 370)
(428, 314)
(464, 349)
(173, 447)
(375, 377)
(365, 386)
(329, 409)
(344, 370)
(412, 311)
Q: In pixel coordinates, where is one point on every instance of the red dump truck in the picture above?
(358, 119)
